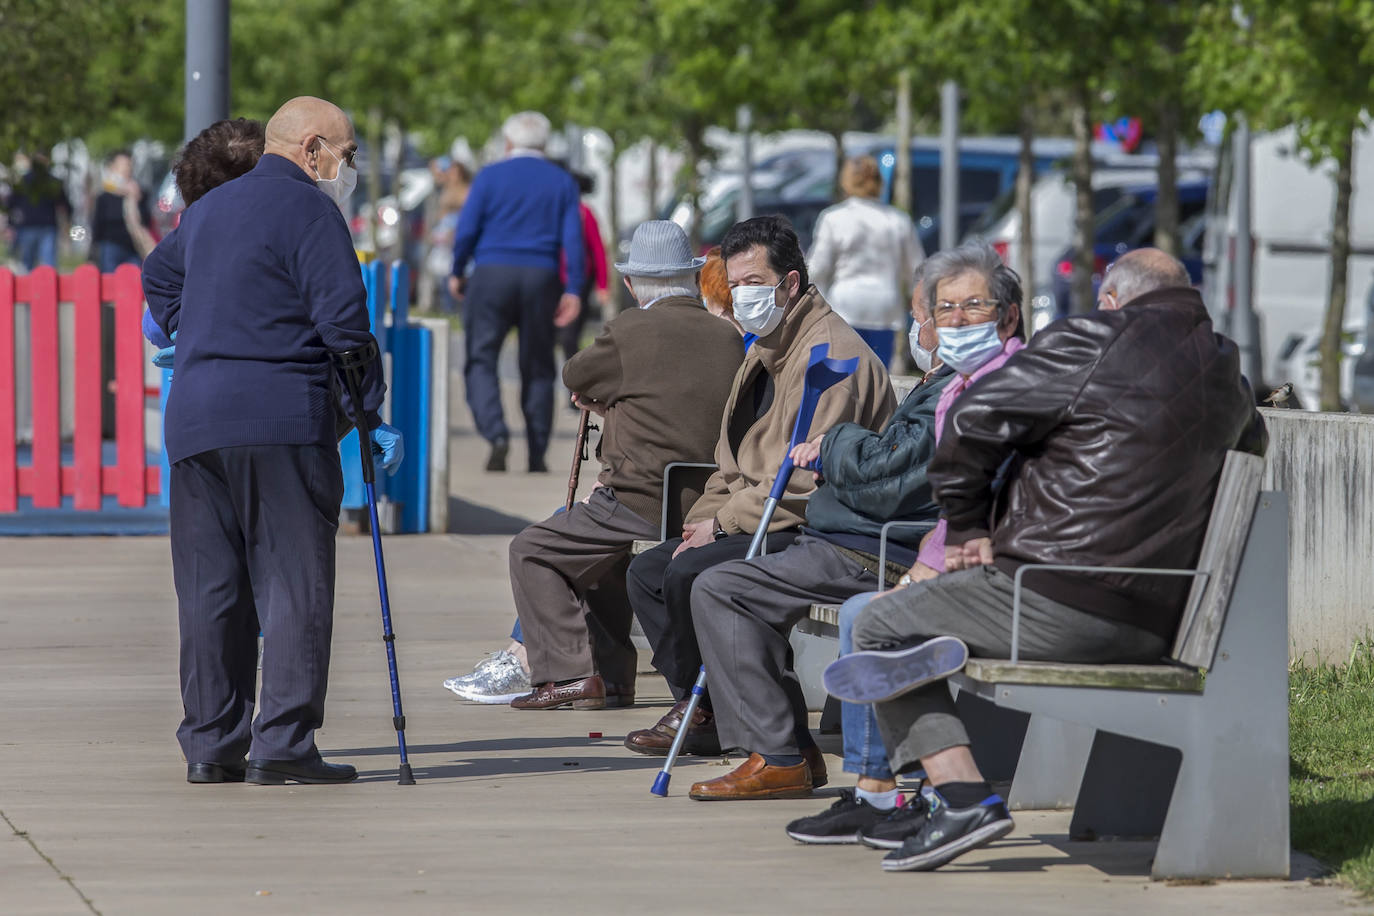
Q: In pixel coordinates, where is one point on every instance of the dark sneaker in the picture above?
(949, 833)
(878, 676)
(892, 831)
(842, 822)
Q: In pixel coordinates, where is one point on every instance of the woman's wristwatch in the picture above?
(904, 580)
(717, 532)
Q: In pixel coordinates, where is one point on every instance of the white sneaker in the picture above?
(498, 678)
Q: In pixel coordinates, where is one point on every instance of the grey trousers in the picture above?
(975, 606)
(253, 530)
(743, 611)
(567, 575)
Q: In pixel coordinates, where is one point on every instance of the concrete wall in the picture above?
(1325, 462)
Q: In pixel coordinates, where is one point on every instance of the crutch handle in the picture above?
(353, 365)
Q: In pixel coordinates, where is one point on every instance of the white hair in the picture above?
(647, 289)
(526, 130)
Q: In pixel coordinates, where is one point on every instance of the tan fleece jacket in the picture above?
(735, 494)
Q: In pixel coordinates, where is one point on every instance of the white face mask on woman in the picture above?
(965, 349)
(340, 187)
(756, 308)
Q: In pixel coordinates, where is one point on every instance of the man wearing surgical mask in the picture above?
(773, 298)
(260, 285)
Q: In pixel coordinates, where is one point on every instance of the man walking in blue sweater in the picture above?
(520, 213)
(260, 285)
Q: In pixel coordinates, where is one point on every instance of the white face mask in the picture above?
(340, 187)
(965, 349)
(925, 359)
(756, 308)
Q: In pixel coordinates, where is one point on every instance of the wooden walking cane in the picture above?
(579, 455)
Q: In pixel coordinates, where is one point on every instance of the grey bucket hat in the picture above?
(659, 249)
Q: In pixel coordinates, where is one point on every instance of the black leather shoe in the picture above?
(215, 772)
(496, 461)
(313, 772)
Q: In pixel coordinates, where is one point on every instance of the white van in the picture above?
(1292, 202)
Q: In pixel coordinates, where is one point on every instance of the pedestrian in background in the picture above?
(120, 217)
(38, 207)
(864, 257)
(594, 279)
(520, 214)
(261, 285)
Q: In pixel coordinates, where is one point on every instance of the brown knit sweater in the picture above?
(663, 373)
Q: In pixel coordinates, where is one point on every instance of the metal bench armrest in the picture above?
(1068, 567)
(882, 547)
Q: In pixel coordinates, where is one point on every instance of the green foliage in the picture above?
(1331, 740)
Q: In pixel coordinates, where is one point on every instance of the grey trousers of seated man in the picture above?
(975, 605)
(743, 611)
(567, 575)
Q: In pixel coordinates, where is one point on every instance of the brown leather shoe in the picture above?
(816, 761)
(701, 736)
(588, 693)
(756, 779)
(619, 696)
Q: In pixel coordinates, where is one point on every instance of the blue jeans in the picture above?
(863, 745)
(110, 255)
(37, 245)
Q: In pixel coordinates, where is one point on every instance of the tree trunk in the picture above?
(375, 141)
(838, 137)
(901, 172)
(652, 181)
(1025, 178)
(1082, 175)
(1334, 324)
(692, 135)
(610, 304)
(1166, 204)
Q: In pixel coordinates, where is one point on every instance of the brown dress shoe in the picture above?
(619, 696)
(816, 761)
(588, 693)
(755, 778)
(701, 736)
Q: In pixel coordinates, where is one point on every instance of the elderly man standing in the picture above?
(1117, 424)
(519, 215)
(261, 285)
(774, 299)
(659, 375)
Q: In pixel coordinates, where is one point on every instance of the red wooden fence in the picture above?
(47, 480)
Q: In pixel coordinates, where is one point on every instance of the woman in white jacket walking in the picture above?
(865, 256)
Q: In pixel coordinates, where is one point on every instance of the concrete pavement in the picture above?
(514, 811)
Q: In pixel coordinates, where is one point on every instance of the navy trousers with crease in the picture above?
(253, 531)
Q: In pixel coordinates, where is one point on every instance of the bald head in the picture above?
(1138, 272)
(300, 127)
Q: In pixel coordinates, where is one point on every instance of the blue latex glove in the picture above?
(163, 358)
(389, 446)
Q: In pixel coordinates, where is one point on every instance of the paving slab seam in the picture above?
(71, 882)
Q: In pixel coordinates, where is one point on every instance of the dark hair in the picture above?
(221, 152)
(777, 237)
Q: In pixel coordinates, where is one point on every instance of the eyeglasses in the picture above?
(973, 308)
(348, 154)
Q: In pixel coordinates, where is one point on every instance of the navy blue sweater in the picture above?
(520, 212)
(261, 282)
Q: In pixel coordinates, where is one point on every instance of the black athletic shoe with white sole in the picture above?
(842, 822)
(892, 831)
(949, 833)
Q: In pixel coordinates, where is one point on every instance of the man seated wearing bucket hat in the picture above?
(658, 376)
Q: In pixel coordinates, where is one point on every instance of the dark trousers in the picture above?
(660, 589)
(500, 298)
(567, 575)
(253, 531)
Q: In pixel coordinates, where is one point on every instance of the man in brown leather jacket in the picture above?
(1116, 424)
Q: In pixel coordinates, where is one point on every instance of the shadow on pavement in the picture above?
(485, 767)
(470, 518)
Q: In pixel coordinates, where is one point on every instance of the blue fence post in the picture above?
(374, 282)
(410, 405)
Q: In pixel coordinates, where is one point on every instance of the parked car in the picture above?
(1127, 223)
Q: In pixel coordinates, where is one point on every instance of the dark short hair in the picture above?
(221, 152)
(778, 239)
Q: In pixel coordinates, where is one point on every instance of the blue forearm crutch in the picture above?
(354, 364)
(822, 372)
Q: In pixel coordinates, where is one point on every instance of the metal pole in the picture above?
(207, 64)
(744, 119)
(1245, 323)
(949, 165)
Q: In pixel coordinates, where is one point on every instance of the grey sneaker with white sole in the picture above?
(878, 676)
